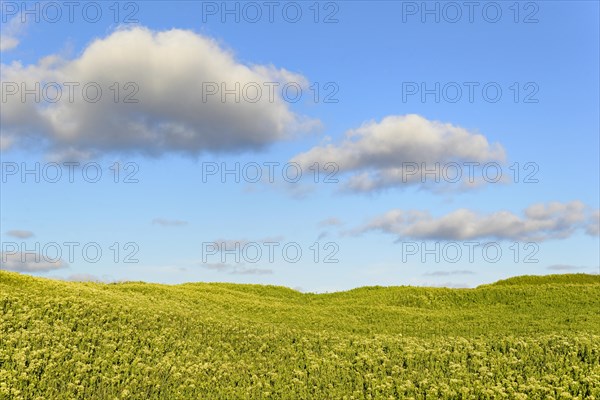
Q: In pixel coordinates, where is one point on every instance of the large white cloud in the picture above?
(378, 154)
(171, 69)
(539, 222)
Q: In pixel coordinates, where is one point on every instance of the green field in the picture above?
(526, 337)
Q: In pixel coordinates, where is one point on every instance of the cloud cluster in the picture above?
(23, 262)
(377, 154)
(539, 222)
(174, 112)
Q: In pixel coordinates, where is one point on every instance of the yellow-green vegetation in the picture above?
(527, 337)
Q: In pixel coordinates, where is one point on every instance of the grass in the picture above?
(533, 336)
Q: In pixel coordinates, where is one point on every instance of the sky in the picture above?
(320, 146)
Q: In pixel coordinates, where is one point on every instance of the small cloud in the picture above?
(229, 244)
(328, 222)
(322, 235)
(6, 142)
(26, 262)
(168, 222)
(236, 269)
(10, 32)
(563, 267)
(21, 234)
(332, 221)
(449, 273)
(84, 277)
(252, 271)
(8, 42)
(593, 227)
(217, 266)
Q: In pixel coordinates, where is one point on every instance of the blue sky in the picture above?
(379, 224)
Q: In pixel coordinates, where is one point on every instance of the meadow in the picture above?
(530, 337)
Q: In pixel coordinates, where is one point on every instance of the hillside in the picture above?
(551, 279)
(532, 335)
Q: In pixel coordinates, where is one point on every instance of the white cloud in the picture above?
(19, 233)
(331, 221)
(169, 68)
(380, 155)
(563, 267)
(539, 222)
(6, 143)
(85, 277)
(231, 244)
(593, 228)
(23, 262)
(10, 32)
(8, 42)
(168, 222)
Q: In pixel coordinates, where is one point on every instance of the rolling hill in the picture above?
(534, 336)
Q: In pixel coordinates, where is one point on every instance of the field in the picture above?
(526, 337)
